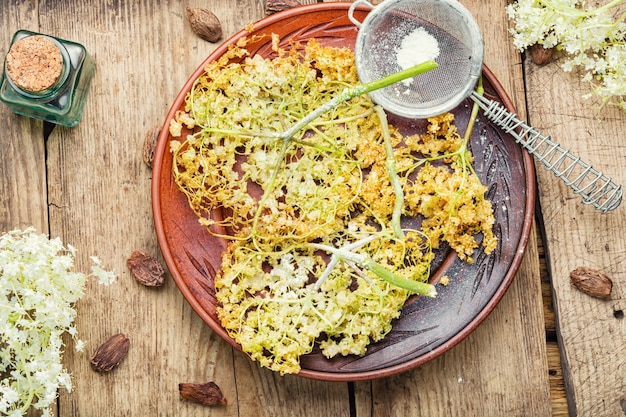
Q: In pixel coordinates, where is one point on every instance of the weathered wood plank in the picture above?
(23, 192)
(100, 199)
(590, 331)
(22, 154)
(558, 396)
(262, 392)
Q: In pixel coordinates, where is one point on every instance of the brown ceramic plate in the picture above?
(427, 327)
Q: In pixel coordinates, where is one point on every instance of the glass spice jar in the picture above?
(46, 78)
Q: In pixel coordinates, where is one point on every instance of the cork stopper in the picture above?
(34, 63)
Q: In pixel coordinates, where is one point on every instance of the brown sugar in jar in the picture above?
(34, 63)
(46, 77)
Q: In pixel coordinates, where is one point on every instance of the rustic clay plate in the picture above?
(427, 327)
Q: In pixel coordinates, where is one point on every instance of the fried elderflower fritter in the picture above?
(313, 257)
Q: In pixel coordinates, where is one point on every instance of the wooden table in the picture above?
(531, 357)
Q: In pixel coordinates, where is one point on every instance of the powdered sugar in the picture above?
(417, 47)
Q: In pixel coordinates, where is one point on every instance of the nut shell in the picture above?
(540, 55)
(150, 143)
(204, 23)
(591, 282)
(146, 269)
(110, 353)
(208, 393)
(275, 6)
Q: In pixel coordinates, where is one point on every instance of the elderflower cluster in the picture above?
(592, 38)
(38, 290)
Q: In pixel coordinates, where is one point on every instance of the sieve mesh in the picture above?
(460, 57)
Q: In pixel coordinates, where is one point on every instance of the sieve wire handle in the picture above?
(353, 7)
(593, 186)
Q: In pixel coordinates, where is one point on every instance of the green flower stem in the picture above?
(480, 90)
(608, 5)
(356, 91)
(461, 153)
(416, 287)
(390, 163)
(345, 253)
(31, 389)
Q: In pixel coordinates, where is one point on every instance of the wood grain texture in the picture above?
(100, 201)
(97, 197)
(23, 192)
(558, 396)
(590, 331)
(22, 155)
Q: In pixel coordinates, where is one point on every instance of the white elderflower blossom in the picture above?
(592, 39)
(38, 291)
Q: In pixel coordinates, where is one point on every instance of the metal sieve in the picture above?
(460, 63)
(460, 59)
